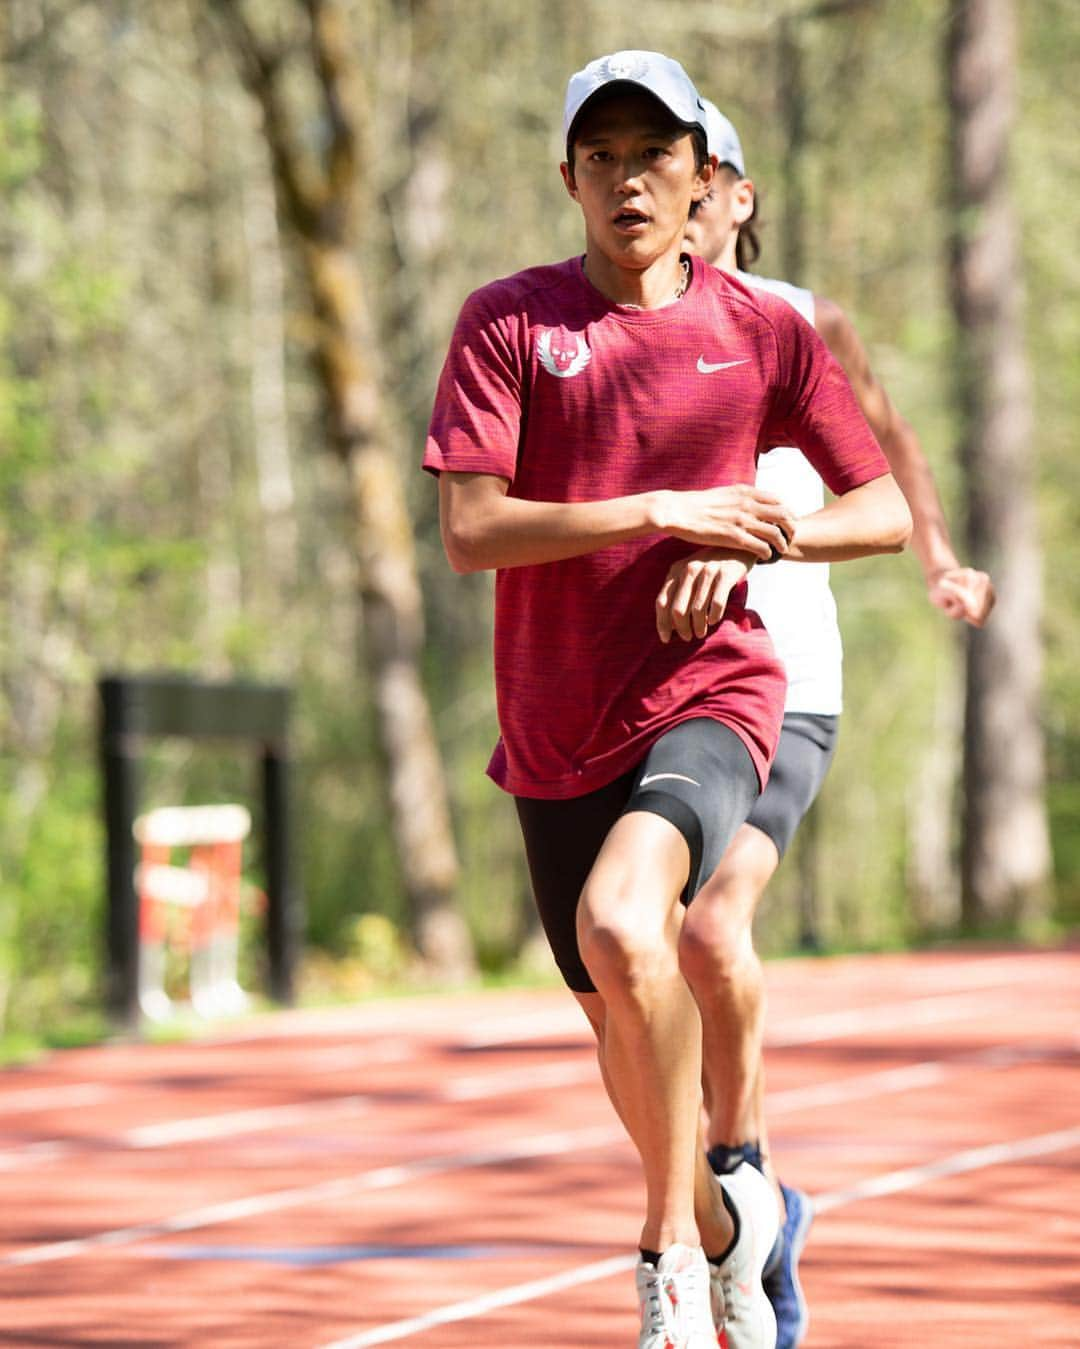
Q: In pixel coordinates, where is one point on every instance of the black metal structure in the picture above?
(137, 707)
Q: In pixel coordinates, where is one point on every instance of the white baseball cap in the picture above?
(723, 139)
(658, 75)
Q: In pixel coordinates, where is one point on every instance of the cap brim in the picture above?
(614, 87)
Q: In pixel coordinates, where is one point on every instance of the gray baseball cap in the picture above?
(658, 75)
(723, 139)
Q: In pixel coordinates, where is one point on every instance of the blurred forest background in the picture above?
(234, 238)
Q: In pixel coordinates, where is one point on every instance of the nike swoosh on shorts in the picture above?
(656, 777)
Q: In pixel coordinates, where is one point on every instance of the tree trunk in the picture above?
(793, 118)
(1005, 855)
(269, 411)
(319, 197)
(393, 614)
(932, 878)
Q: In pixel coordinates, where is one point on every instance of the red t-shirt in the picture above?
(572, 398)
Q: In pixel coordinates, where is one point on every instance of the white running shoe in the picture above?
(674, 1300)
(740, 1307)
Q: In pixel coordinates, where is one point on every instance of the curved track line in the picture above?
(1002, 973)
(973, 1159)
(197, 1129)
(489, 1302)
(540, 1145)
(861, 1087)
(561, 1073)
(891, 1182)
(908, 1012)
(61, 1096)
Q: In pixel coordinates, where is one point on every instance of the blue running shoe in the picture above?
(781, 1275)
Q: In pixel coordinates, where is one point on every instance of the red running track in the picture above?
(445, 1172)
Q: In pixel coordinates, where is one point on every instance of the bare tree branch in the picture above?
(260, 66)
(334, 65)
(346, 352)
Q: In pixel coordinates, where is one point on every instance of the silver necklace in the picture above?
(680, 289)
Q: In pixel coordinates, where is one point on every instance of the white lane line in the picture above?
(889, 1016)
(563, 1073)
(519, 1027)
(1006, 970)
(168, 1133)
(864, 1085)
(889, 1081)
(489, 1302)
(893, 1182)
(484, 1086)
(354, 1057)
(55, 1097)
(912, 1077)
(973, 1159)
(197, 1129)
(548, 1022)
(516, 1028)
(240, 1121)
(384, 1177)
(568, 1072)
(1000, 971)
(45, 1150)
(883, 1082)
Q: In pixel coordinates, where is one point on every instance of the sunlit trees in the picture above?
(1006, 851)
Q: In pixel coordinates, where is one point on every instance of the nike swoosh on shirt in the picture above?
(655, 777)
(707, 369)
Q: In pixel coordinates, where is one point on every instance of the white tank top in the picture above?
(793, 598)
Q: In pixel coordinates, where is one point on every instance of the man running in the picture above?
(798, 609)
(596, 423)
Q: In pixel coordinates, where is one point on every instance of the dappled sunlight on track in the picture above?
(446, 1171)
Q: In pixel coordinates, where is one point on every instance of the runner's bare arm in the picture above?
(962, 592)
(483, 527)
(873, 518)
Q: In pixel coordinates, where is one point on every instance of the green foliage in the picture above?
(50, 903)
(140, 269)
(346, 856)
(20, 140)
(1046, 174)
(1064, 803)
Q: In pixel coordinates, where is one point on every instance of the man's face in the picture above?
(634, 177)
(712, 232)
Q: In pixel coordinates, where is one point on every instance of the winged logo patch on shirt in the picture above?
(563, 353)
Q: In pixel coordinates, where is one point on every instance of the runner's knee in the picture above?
(621, 944)
(715, 944)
